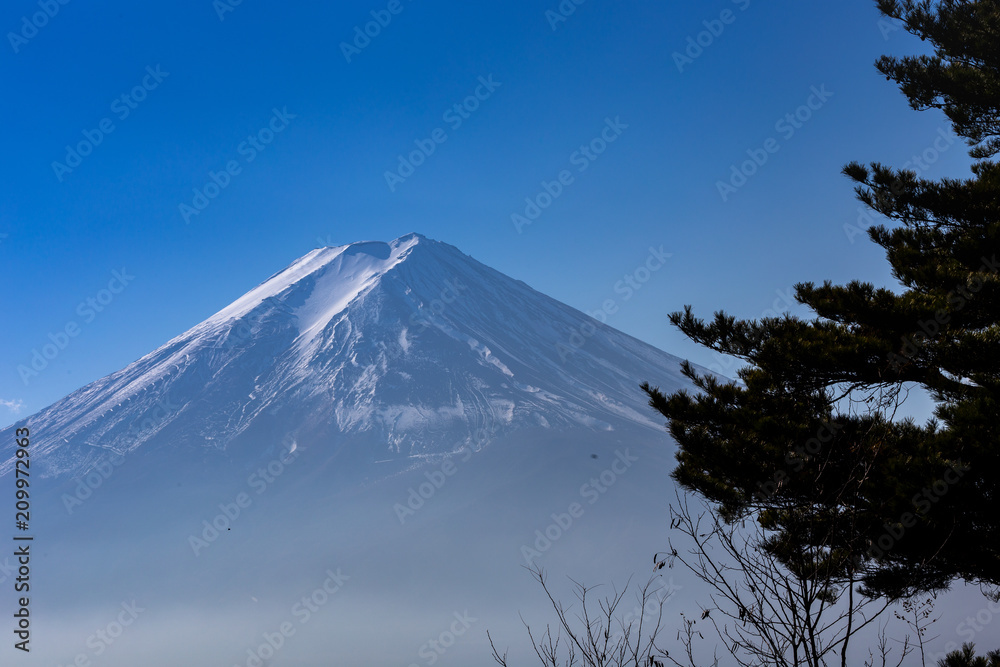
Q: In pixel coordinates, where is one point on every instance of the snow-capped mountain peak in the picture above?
(409, 346)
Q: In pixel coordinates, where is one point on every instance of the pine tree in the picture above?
(966, 657)
(808, 442)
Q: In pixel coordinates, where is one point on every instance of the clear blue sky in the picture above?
(321, 179)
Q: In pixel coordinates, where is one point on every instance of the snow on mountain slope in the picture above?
(412, 345)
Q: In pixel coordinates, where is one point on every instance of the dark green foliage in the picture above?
(967, 658)
(961, 78)
(808, 442)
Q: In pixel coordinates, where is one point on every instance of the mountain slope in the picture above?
(410, 346)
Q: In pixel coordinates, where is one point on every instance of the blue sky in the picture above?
(208, 86)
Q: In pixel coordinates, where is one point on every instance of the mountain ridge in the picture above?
(333, 342)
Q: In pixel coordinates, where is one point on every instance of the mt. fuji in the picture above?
(393, 429)
(411, 345)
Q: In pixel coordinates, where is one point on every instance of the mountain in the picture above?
(411, 346)
(349, 465)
